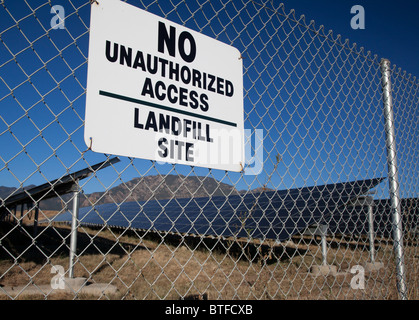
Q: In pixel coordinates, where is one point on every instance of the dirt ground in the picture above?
(145, 265)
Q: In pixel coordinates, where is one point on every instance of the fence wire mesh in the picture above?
(314, 121)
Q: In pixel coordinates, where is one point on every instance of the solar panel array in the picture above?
(353, 220)
(266, 215)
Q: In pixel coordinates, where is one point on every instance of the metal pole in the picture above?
(74, 225)
(393, 179)
(371, 232)
(323, 230)
(21, 214)
(35, 220)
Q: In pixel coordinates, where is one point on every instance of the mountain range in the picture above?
(153, 187)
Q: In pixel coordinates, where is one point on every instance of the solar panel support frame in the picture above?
(63, 185)
(35, 221)
(367, 201)
(323, 231)
(371, 233)
(74, 226)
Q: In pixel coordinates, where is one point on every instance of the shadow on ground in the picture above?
(17, 243)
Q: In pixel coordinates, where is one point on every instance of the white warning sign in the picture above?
(157, 90)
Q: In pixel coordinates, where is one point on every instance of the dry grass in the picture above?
(142, 267)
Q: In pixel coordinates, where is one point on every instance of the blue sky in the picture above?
(391, 27)
(391, 32)
(43, 79)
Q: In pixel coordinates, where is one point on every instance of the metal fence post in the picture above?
(393, 177)
(74, 225)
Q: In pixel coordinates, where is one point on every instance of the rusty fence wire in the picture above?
(322, 209)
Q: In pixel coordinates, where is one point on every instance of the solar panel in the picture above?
(54, 188)
(267, 215)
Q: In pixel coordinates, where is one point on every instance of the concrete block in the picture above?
(324, 270)
(98, 289)
(74, 284)
(82, 286)
(369, 266)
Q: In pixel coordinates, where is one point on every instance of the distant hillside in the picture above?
(161, 187)
(144, 188)
(5, 191)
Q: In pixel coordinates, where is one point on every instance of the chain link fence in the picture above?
(315, 214)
